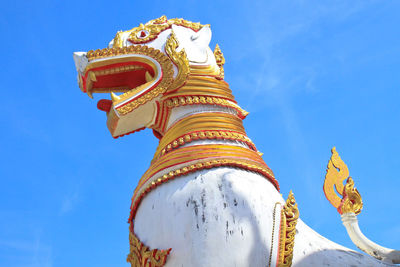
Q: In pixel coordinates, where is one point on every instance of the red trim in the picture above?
(157, 134)
(146, 66)
(84, 78)
(204, 157)
(151, 173)
(110, 78)
(240, 114)
(166, 115)
(159, 112)
(144, 92)
(134, 131)
(252, 146)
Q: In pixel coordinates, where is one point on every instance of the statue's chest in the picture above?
(208, 214)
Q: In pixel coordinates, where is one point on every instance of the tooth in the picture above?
(114, 97)
(148, 76)
(90, 94)
(92, 76)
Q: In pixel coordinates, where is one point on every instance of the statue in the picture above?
(208, 198)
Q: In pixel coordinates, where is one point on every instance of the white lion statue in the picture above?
(208, 198)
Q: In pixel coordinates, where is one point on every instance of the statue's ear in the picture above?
(203, 36)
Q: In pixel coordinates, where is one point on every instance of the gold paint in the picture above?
(174, 102)
(185, 154)
(148, 77)
(162, 59)
(203, 126)
(289, 216)
(151, 30)
(117, 69)
(204, 85)
(141, 256)
(114, 97)
(92, 76)
(180, 60)
(351, 201)
(347, 199)
(154, 27)
(210, 70)
(208, 135)
(336, 173)
(219, 57)
(118, 41)
(200, 123)
(175, 157)
(196, 158)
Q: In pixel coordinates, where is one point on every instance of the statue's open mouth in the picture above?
(132, 75)
(133, 71)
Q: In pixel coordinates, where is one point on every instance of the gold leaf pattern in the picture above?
(180, 60)
(219, 57)
(149, 31)
(336, 173)
(351, 201)
(141, 256)
(289, 215)
(347, 199)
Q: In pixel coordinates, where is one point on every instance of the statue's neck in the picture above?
(200, 127)
(203, 109)
(190, 125)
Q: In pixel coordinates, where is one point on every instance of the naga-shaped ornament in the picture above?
(349, 199)
(349, 206)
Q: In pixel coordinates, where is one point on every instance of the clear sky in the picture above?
(312, 74)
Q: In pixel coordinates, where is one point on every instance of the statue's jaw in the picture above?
(133, 75)
(140, 73)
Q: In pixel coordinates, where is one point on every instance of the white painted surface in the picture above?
(179, 113)
(362, 242)
(81, 61)
(223, 217)
(194, 43)
(216, 217)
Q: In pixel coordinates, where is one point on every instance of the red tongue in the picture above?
(104, 105)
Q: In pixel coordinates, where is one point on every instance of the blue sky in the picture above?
(312, 74)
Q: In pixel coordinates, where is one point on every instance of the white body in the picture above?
(362, 242)
(224, 217)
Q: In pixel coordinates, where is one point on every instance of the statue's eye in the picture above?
(142, 34)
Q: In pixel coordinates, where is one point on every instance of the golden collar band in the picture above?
(203, 85)
(193, 158)
(202, 122)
